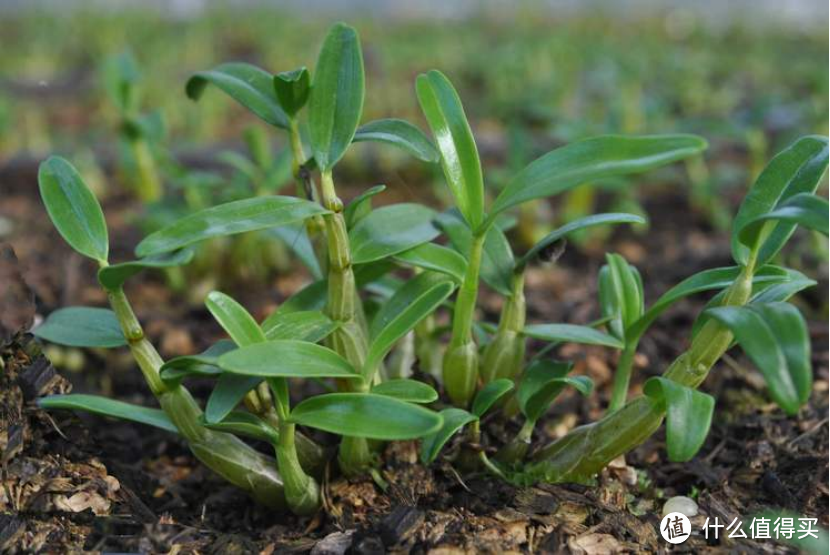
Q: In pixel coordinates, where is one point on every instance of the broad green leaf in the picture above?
(401, 134)
(234, 319)
(803, 209)
(590, 160)
(309, 298)
(366, 415)
(707, 280)
(204, 364)
(245, 424)
(412, 391)
(459, 155)
(390, 230)
(797, 169)
(571, 333)
(73, 208)
(228, 219)
(296, 238)
(430, 256)
(542, 382)
(361, 205)
(336, 100)
(688, 416)
(620, 294)
(113, 277)
(577, 225)
(306, 325)
(782, 291)
(108, 407)
(226, 395)
(82, 326)
(490, 395)
(453, 420)
(292, 89)
(409, 305)
(287, 359)
(249, 85)
(775, 337)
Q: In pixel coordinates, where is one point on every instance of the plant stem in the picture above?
(147, 182)
(306, 188)
(504, 355)
(460, 368)
(622, 377)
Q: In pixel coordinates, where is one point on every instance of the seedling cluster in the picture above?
(351, 327)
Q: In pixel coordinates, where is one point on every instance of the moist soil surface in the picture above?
(73, 483)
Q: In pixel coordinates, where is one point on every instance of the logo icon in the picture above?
(675, 528)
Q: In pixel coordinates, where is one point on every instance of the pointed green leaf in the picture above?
(296, 238)
(453, 420)
(113, 277)
(409, 305)
(292, 89)
(571, 333)
(226, 395)
(490, 395)
(73, 208)
(412, 391)
(108, 407)
(389, 230)
(287, 359)
(577, 225)
(459, 155)
(590, 160)
(310, 297)
(803, 209)
(401, 134)
(775, 337)
(245, 424)
(307, 325)
(234, 319)
(228, 219)
(204, 364)
(620, 294)
(542, 382)
(366, 415)
(430, 256)
(688, 416)
(797, 169)
(249, 85)
(336, 101)
(82, 326)
(361, 205)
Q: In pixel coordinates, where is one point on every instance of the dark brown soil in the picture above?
(74, 482)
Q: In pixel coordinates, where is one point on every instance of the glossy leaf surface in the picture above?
(234, 319)
(307, 325)
(430, 256)
(82, 326)
(490, 394)
(229, 390)
(542, 382)
(412, 391)
(245, 424)
(399, 133)
(292, 89)
(453, 420)
(112, 277)
(108, 407)
(688, 416)
(361, 205)
(571, 333)
(390, 230)
(287, 359)
(204, 364)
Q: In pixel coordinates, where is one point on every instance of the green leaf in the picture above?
(227, 393)
(453, 420)
(309, 298)
(366, 415)
(412, 391)
(121, 77)
(490, 395)
(296, 238)
(571, 333)
(361, 205)
(430, 256)
(113, 277)
(292, 89)
(707, 280)
(245, 424)
(234, 319)
(803, 209)
(108, 407)
(336, 100)
(542, 382)
(797, 169)
(410, 304)
(73, 208)
(401, 134)
(307, 325)
(782, 291)
(590, 160)
(459, 155)
(577, 225)
(390, 230)
(775, 337)
(688, 416)
(204, 364)
(249, 85)
(287, 359)
(81, 326)
(620, 294)
(228, 219)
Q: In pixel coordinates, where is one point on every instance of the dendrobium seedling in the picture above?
(340, 329)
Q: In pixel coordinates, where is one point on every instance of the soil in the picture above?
(73, 482)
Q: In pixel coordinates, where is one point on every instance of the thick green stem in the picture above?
(147, 181)
(460, 369)
(315, 226)
(516, 450)
(504, 355)
(586, 450)
(622, 377)
(302, 493)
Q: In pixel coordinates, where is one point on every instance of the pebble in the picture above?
(680, 504)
